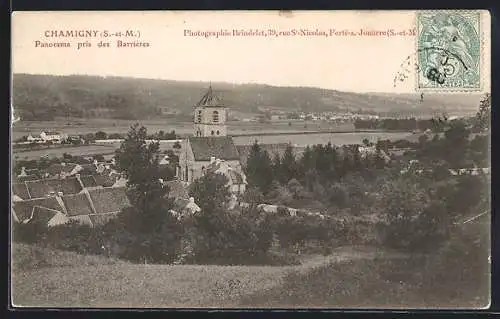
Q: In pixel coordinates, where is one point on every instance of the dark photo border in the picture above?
(37, 5)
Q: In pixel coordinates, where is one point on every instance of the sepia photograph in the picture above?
(250, 159)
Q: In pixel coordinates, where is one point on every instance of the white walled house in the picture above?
(236, 178)
(52, 136)
(33, 139)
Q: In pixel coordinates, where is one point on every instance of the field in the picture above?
(65, 279)
(298, 136)
(92, 125)
(85, 150)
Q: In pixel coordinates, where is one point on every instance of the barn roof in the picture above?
(82, 219)
(58, 168)
(102, 219)
(24, 209)
(20, 190)
(21, 179)
(77, 204)
(104, 180)
(88, 181)
(221, 147)
(43, 187)
(109, 200)
(209, 99)
(42, 215)
(58, 219)
(88, 168)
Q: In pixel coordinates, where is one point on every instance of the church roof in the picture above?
(221, 147)
(209, 99)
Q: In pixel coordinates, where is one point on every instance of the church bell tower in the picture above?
(210, 116)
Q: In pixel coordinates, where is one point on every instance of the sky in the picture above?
(346, 63)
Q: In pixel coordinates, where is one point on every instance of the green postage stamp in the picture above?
(449, 50)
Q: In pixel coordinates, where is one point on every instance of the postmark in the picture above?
(448, 51)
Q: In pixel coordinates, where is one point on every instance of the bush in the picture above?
(70, 237)
(338, 195)
(236, 237)
(414, 220)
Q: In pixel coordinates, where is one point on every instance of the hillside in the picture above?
(43, 97)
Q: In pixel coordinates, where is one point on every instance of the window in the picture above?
(215, 116)
(217, 132)
(199, 116)
(212, 132)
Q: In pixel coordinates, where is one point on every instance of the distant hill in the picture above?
(38, 97)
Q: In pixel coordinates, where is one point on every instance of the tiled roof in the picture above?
(57, 168)
(109, 200)
(42, 215)
(20, 190)
(88, 181)
(177, 189)
(104, 181)
(185, 206)
(24, 209)
(54, 169)
(88, 169)
(70, 186)
(68, 168)
(77, 204)
(209, 99)
(219, 147)
(82, 219)
(32, 171)
(26, 178)
(14, 216)
(41, 188)
(58, 219)
(102, 219)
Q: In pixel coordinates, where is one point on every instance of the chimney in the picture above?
(212, 159)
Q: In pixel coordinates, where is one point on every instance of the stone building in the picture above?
(210, 140)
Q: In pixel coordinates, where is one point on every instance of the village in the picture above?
(93, 191)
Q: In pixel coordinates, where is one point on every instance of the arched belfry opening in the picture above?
(210, 115)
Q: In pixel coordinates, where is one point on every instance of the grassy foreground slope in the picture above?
(63, 279)
(396, 283)
(350, 278)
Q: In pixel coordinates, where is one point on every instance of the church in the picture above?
(210, 144)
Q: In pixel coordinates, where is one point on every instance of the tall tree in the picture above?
(139, 161)
(259, 169)
(288, 168)
(155, 233)
(210, 192)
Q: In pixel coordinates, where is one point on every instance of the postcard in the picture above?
(251, 159)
